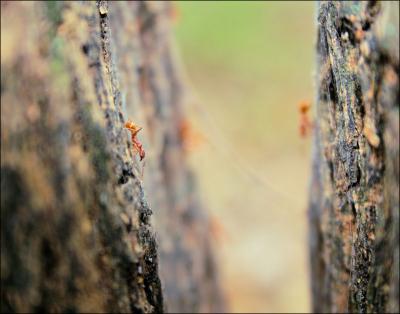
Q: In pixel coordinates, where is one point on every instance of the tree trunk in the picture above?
(76, 227)
(354, 200)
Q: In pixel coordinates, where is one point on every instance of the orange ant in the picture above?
(191, 138)
(305, 124)
(134, 129)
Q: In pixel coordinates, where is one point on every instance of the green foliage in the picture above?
(229, 32)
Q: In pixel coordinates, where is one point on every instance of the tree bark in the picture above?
(354, 200)
(76, 227)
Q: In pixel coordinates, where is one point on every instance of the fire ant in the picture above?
(134, 129)
(305, 124)
(190, 137)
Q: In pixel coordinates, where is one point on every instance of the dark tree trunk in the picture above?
(354, 199)
(76, 227)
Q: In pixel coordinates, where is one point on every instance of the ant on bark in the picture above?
(305, 124)
(134, 129)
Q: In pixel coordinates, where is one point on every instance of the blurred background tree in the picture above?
(248, 64)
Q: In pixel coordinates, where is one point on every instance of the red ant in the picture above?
(134, 129)
(305, 124)
(191, 138)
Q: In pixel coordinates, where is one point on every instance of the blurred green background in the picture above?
(248, 64)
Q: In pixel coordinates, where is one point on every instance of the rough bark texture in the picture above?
(354, 200)
(76, 233)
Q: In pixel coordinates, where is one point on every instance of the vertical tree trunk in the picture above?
(76, 233)
(354, 201)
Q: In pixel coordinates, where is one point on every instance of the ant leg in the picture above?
(142, 171)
